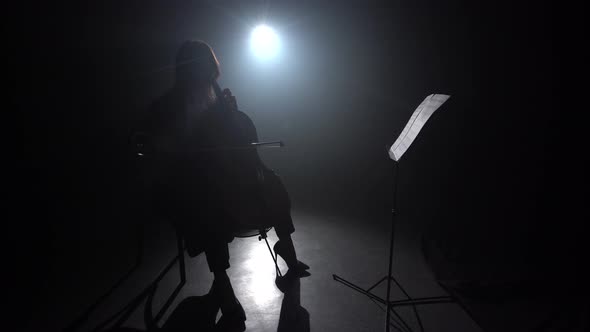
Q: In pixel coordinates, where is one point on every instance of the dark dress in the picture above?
(209, 193)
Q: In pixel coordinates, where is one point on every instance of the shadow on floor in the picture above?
(293, 317)
(195, 313)
(198, 313)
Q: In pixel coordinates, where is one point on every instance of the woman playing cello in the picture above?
(206, 189)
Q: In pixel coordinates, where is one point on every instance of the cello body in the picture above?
(209, 192)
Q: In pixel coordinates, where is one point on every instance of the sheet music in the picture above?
(415, 124)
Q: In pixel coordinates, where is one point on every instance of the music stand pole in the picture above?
(390, 305)
(399, 147)
(389, 278)
(391, 239)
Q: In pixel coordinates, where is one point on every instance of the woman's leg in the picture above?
(224, 293)
(217, 255)
(233, 315)
(284, 247)
(279, 209)
(218, 260)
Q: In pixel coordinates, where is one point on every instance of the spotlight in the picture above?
(264, 42)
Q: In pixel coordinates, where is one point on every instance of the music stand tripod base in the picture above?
(409, 301)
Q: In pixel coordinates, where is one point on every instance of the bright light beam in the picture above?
(264, 42)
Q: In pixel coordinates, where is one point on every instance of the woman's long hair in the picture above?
(196, 69)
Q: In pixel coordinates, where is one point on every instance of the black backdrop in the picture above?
(482, 167)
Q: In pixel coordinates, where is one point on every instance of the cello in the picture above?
(254, 195)
(221, 185)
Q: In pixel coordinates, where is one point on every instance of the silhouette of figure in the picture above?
(197, 191)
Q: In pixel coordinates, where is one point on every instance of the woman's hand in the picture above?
(230, 100)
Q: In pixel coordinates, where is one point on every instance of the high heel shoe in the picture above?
(233, 315)
(280, 250)
(233, 321)
(299, 270)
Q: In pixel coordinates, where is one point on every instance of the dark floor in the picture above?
(347, 246)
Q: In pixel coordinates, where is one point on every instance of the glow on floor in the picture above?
(258, 279)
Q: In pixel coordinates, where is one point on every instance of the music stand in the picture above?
(430, 104)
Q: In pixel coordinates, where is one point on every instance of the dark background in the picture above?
(482, 174)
